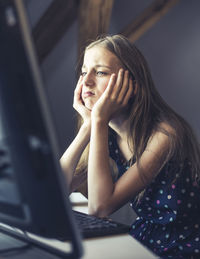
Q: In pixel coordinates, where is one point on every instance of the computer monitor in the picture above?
(33, 193)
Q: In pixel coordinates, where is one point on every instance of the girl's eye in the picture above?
(83, 73)
(101, 73)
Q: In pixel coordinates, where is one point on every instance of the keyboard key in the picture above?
(91, 226)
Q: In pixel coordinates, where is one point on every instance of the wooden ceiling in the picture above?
(94, 18)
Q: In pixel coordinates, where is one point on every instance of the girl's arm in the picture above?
(115, 97)
(72, 155)
(104, 196)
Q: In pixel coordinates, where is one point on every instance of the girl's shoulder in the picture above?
(161, 135)
(165, 128)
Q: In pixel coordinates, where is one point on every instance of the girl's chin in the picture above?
(89, 106)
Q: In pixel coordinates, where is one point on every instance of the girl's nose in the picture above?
(88, 80)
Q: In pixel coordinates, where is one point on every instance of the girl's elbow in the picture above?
(98, 211)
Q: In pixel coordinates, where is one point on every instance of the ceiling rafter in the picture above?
(147, 19)
(58, 17)
(94, 20)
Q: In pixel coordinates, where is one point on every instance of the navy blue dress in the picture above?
(168, 221)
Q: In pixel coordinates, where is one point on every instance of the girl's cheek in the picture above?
(106, 84)
(103, 89)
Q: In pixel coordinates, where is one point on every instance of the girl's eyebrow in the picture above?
(98, 65)
(103, 66)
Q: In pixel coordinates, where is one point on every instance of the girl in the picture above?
(126, 127)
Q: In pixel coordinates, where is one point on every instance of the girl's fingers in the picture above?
(78, 84)
(119, 84)
(78, 88)
(129, 92)
(125, 86)
(80, 79)
(78, 102)
(111, 85)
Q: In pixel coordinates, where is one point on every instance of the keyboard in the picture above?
(91, 226)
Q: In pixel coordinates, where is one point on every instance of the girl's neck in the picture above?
(120, 125)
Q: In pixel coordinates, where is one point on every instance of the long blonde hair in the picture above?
(148, 110)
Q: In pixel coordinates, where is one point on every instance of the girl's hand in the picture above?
(78, 102)
(114, 98)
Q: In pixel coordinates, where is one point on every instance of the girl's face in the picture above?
(98, 65)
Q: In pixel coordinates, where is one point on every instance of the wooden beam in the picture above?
(94, 19)
(53, 24)
(147, 19)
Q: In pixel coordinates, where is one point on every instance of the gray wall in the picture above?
(171, 47)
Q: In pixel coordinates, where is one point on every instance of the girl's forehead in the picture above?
(100, 55)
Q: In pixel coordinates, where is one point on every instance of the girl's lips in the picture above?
(87, 94)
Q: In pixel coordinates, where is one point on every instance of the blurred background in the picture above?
(167, 32)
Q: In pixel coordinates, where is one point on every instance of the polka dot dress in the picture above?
(168, 220)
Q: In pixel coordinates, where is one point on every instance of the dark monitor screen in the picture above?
(33, 193)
